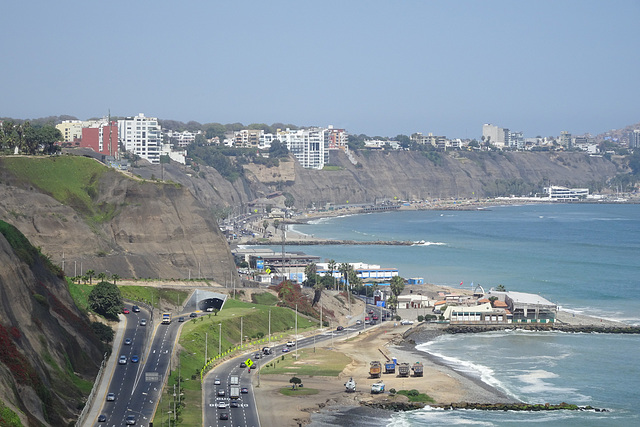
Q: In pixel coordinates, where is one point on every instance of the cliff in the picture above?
(48, 352)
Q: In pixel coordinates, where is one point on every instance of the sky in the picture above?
(380, 68)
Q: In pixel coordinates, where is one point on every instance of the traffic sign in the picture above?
(248, 362)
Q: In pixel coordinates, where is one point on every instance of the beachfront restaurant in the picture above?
(483, 314)
(530, 308)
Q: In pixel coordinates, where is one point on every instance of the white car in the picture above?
(122, 360)
(291, 343)
(217, 381)
(222, 404)
(406, 322)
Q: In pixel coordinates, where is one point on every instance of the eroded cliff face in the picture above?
(46, 343)
(154, 230)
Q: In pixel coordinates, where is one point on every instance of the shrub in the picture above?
(420, 318)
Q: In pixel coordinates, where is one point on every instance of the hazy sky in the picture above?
(373, 67)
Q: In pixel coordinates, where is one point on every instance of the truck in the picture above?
(389, 368)
(377, 388)
(266, 350)
(234, 392)
(375, 369)
(166, 318)
(234, 380)
(403, 369)
(350, 386)
(418, 369)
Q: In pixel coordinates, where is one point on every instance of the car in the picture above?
(217, 381)
(131, 420)
(221, 392)
(122, 360)
(285, 349)
(340, 328)
(257, 356)
(358, 322)
(209, 309)
(111, 397)
(243, 365)
(374, 317)
(373, 322)
(102, 418)
(135, 358)
(193, 315)
(370, 311)
(291, 343)
(244, 390)
(125, 311)
(406, 322)
(127, 341)
(222, 404)
(180, 319)
(135, 309)
(234, 404)
(224, 416)
(143, 322)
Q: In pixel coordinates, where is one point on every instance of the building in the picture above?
(336, 138)
(565, 139)
(516, 140)
(307, 146)
(483, 313)
(101, 138)
(247, 138)
(440, 142)
(142, 136)
(530, 308)
(495, 135)
(634, 139)
(564, 194)
(71, 130)
(181, 139)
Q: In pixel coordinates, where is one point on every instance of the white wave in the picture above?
(427, 243)
(484, 373)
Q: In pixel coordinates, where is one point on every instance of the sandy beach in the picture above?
(440, 382)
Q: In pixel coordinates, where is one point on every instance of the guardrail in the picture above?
(96, 385)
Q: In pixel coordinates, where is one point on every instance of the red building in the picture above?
(102, 139)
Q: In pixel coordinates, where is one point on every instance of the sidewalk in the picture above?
(101, 388)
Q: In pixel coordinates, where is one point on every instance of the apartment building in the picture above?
(142, 136)
(71, 130)
(336, 138)
(247, 138)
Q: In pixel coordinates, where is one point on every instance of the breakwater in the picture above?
(471, 329)
(393, 405)
(312, 242)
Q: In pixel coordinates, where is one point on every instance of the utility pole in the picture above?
(269, 339)
(206, 344)
(296, 331)
(241, 336)
(220, 340)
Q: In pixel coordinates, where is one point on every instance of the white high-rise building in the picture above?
(142, 136)
(307, 145)
(495, 135)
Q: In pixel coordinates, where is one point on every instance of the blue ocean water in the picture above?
(584, 257)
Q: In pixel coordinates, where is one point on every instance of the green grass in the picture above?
(265, 298)
(80, 294)
(322, 362)
(288, 391)
(150, 294)
(71, 180)
(8, 418)
(415, 396)
(192, 340)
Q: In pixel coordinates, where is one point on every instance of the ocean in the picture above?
(584, 257)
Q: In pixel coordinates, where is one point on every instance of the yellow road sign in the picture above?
(248, 362)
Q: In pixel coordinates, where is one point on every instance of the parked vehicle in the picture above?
(350, 386)
(375, 369)
(406, 322)
(418, 369)
(403, 369)
(377, 388)
(390, 368)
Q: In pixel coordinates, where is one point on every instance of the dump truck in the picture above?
(389, 368)
(377, 388)
(418, 369)
(350, 386)
(166, 318)
(375, 369)
(403, 369)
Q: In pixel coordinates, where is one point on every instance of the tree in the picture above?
(90, 274)
(105, 299)
(101, 276)
(500, 288)
(397, 286)
(102, 331)
(295, 381)
(278, 150)
(331, 268)
(114, 277)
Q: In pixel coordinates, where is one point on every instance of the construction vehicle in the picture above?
(403, 369)
(375, 369)
(377, 388)
(350, 386)
(166, 318)
(390, 368)
(418, 369)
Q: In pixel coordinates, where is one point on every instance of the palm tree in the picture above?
(90, 274)
(331, 266)
(102, 276)
(114, 277)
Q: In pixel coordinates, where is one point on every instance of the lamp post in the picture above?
(220, 340)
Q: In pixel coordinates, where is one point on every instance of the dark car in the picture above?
(243, 365)
(244, 390)
(221, 392)
(135, 309)
(135, 358)
(131, 420)
(180, 319)
(340, 328)
(234, 404)
(193, 315)
(224, 416)
(102, 418)
(127, 341)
